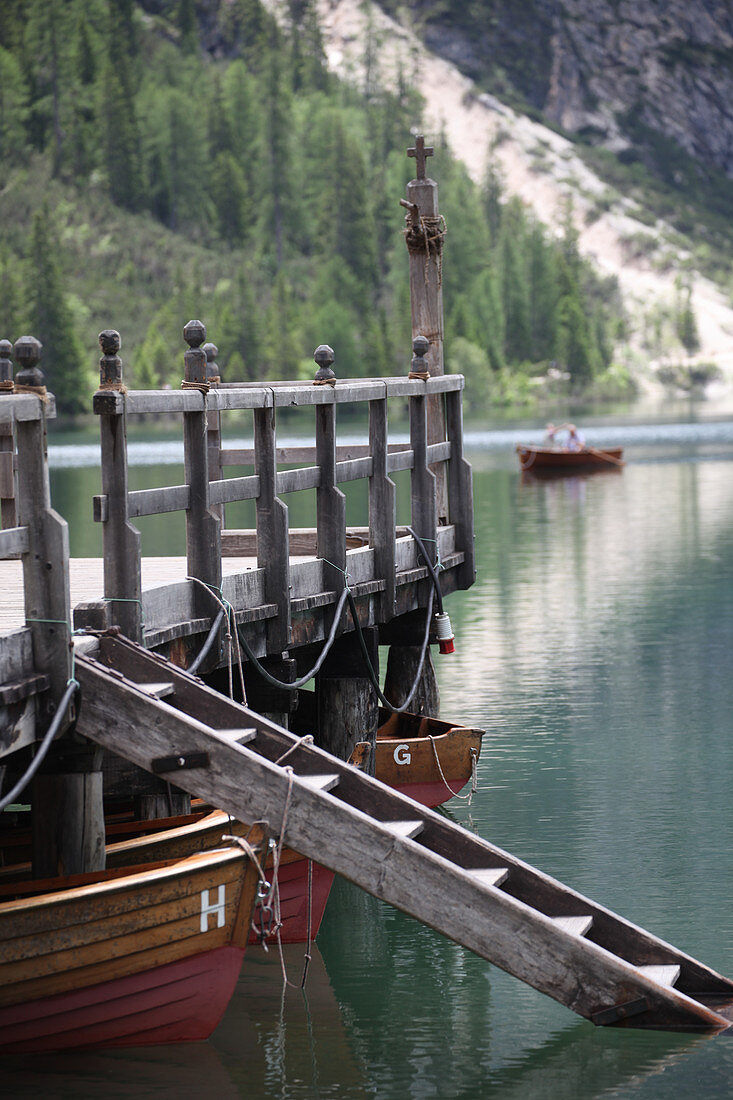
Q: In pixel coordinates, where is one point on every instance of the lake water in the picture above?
(596, 651)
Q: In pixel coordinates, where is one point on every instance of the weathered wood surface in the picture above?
(238, 395)
(68, 821)
(356, 830)
(424, 238)
(45, 563)
(273, 545)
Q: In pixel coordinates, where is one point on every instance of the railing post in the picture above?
(424, 236)
(403, 661)
(382, 511)
(423, 480)
(273, 539)
(460, 489)
(120, 540)
(203, 528)
(66, 794)
(330, 501)
(46, 565)
(213, 426)
(7, 443)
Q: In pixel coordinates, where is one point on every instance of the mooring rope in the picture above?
(474, 773)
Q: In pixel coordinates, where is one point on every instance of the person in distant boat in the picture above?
(575, 440)
(550, 434)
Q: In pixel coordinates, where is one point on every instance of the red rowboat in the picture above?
(123, 957)
(558, 460)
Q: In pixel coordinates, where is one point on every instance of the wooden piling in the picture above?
(348, 707)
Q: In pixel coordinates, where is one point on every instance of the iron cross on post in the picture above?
(420, 153)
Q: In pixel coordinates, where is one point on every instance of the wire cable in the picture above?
(71, 689)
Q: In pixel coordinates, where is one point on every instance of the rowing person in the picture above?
(575, 440)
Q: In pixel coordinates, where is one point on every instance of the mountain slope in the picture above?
(542, 167)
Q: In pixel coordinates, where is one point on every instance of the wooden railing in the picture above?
(325, 466)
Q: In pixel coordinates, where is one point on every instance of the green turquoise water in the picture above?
(596, 651)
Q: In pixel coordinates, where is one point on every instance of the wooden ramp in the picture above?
(611, 972)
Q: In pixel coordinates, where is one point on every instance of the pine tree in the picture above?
(49, 34)
(187, 26)
(514, 290)
(13, 109)
(120, 132)
(11, 299)
(51, 319)
(228, 191)
(345, 225)
(542, 295)
(575, 344)
(276, 169)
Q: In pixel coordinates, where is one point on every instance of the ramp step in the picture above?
(241, 736)
(159, 690)
(663, 974)
(577, 926)
(320, 782)
(488, 876)
(407, 829)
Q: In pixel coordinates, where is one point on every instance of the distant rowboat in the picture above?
(126, 957)
(557, 460)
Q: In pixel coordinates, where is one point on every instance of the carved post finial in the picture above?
(6, 366)
(27, 354)
(110, 365)
(419, 368)
(194, 360)
(420, 152)
(212, 369)
(324, 357)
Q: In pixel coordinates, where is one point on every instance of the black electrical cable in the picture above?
(208, 643)
(435, 593)
(370, 667)
(431, 569)
(71, 689)
(295, 684)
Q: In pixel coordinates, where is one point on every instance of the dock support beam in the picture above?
(348, 708)
(68, 817)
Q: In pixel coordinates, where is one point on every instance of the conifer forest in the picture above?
(168, 159)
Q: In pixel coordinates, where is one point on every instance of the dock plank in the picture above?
(87, 582)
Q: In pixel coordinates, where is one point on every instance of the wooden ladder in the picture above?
(606, 969)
